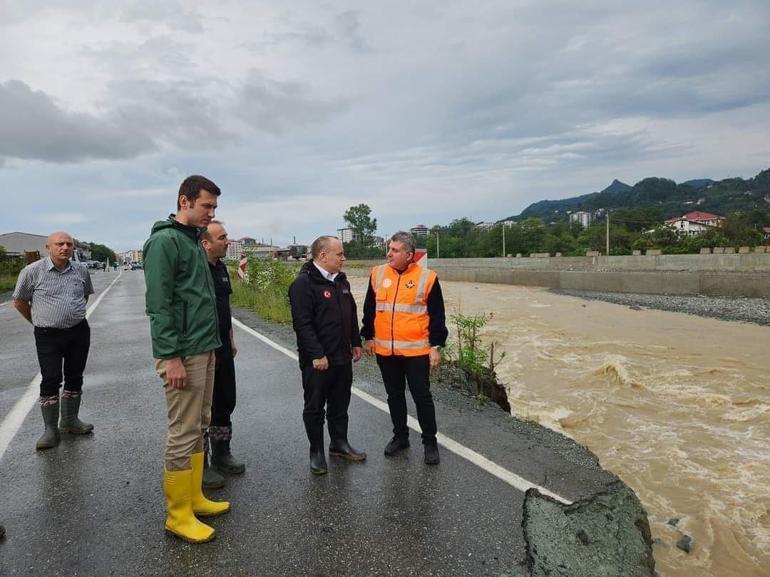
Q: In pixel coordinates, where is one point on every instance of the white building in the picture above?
(419, 230)
(347, 234)
(582, 217)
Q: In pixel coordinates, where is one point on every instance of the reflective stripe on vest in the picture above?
(402, 344)
(417, 309)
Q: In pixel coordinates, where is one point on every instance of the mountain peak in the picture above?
(617, 186)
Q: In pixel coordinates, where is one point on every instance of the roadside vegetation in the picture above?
(10, 266)
(471, 362)
(266, 291)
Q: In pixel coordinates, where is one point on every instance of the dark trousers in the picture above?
(330, 389)
(62, 350)
(223, 401)
(397, 371)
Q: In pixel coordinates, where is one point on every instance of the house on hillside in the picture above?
(766, 231)
(696, 222)
(484, 225)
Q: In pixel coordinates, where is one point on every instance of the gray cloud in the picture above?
(34, 126)
(342, 29)
(275, 107)
(173, 15)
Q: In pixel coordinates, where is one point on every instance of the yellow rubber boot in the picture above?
(177, 485)
(202, 506)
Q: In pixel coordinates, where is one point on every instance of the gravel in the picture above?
(747, 310)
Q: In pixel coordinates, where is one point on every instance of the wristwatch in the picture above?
(437, 347)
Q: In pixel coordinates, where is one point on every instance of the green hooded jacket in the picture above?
(180, 297)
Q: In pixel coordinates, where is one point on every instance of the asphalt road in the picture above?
(94, 505)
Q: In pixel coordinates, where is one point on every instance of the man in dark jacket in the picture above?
(324, 318)
(182, 308)
(215, 243)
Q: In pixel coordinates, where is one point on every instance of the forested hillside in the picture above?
(662, 198)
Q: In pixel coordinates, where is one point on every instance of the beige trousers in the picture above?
(189, 409)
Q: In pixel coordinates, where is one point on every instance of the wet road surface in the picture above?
(94, 505)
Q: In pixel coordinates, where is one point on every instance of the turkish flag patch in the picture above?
(327, 294)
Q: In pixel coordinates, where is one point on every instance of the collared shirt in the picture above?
(325, 273)
(58, 298)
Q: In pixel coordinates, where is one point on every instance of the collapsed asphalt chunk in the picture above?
(606, 535)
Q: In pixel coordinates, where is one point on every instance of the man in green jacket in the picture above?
(181, 304)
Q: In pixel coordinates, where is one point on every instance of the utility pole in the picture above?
(503, 239)
(438, 250)
(608, 232)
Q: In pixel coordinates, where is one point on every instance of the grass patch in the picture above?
(267, 290)
(7, 282)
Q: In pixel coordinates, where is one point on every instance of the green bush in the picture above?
(267, 290)
(10, 266)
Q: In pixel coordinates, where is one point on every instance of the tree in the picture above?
(359, 219)
(101, 252)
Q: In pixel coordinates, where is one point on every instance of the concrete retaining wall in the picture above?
(745, 275)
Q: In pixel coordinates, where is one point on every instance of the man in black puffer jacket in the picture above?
(324, 318)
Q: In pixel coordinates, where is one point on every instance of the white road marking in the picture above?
(15, 418)
(474, 457)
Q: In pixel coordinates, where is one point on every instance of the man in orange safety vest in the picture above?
(404, 325)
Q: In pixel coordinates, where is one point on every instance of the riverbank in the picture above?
(743, 309)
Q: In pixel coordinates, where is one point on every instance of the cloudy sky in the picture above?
(425, 110)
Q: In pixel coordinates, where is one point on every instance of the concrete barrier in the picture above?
(709, 274)
(705, 250)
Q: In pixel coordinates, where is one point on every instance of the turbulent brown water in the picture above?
(677, 406)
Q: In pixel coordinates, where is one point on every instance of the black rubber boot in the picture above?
(318, 462)
(431, 453)
(70, 423)
(50, 437)
(211, 478)
(395, 445)
(223, 460)
(341, 448)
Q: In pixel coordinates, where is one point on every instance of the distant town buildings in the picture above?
(695, 222)
(130, 256)
(419, 230)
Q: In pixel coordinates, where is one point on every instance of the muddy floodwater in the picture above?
(677, 406)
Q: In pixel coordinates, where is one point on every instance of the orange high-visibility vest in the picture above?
(401, 319)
